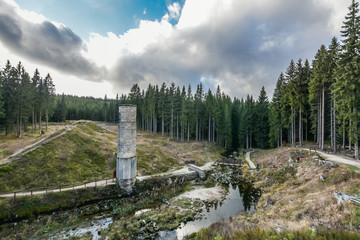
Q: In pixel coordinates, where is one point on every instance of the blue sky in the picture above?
(87, 16)
(93, 47)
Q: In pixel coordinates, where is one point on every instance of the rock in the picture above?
(268, 203)
(279, 229)
(268, 180)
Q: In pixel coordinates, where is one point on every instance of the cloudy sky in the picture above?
(93, 48)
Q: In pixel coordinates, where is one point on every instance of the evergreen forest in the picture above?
(316, 101)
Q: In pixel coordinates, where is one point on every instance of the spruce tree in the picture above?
(346, 89)
(262, 119)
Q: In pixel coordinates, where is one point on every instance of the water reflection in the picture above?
(240, 198)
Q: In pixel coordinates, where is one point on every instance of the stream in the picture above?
(237, 200)
(241, 197)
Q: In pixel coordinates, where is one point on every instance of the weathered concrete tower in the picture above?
(126, 158)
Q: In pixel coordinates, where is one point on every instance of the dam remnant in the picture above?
(126, 157)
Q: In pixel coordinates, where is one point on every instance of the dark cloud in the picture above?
(55, 46)
(239, 49)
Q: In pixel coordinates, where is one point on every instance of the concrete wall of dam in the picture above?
(126, 157)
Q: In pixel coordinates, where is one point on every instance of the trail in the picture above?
(35, 145)
(247, 158)
(99, 183)
(337, 158)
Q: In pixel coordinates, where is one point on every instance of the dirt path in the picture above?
(90, 184)
(337, 158)
(247, 158)
(28, 148)
(99, 183)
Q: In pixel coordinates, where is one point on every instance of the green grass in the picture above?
(72, 157)
(353, 168)
(152, 160)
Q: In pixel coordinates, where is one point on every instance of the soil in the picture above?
(204, 194)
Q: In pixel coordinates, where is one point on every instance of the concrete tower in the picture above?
(126, 158)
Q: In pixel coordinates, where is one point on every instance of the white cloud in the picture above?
(240, 45)
(174, 10)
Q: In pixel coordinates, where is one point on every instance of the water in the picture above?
(94, 229)
(238, 200)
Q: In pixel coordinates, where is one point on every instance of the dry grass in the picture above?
(298, 198)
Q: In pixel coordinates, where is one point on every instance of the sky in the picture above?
(93, 48)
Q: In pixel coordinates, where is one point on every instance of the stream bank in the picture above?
(150, 211)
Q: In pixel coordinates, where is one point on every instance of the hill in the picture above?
(88, 152)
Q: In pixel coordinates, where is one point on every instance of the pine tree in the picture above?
(289, 103)
(49, 93)
(35, 80)
(189, 112)
(262, 119)
(2, 110)
(275, 118)
(162, 107)
(333, 50)
(10, 97)
(346, 89)
(318, 86)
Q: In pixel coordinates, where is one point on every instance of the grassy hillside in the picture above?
(84, 153)
(88, 152)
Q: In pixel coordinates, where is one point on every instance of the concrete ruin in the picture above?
(126, 157)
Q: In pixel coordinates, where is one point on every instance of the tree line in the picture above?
(324, 98)
(317, 101)
(24, 101)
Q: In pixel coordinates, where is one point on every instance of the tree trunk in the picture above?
(40, 122)
(294, 129)
(331, 124)
(250, 140)
(281, 133)
(171, 123)
(188, 131)
(306, 128)
(213, 130)
(319, 124)
(247, 140)
(356, 143)
(33, 120)
(300, 128)
(47, 120)
(154, 123)
(350, 136)
(162, 125)
(20, 125)
(182, 131)
(323, 118)
(177, 126)
(200, 135)
(209, 133)
(344, 134)
(197, 130)
(335, 128)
